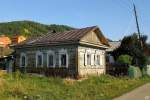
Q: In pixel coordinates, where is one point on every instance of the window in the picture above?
(39, 59)
(63, 59)
(23, 60)
(50, 60)
(88, 59)
(98, 59)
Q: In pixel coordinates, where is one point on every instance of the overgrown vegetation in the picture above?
(29, 28)
(132, 46)
(18, 86)
(124, 59)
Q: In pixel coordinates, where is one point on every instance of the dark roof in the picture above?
(113, 45)
(72, 36)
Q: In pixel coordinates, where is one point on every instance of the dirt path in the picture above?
(141, 93)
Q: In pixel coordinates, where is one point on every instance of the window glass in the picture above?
(50, 60)
(23, 61)
(88, 59)
(98, 60)
(39, 60)
(63, 60)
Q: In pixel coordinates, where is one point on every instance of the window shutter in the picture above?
(92, 59)
(85, 59)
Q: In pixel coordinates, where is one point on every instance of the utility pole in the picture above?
(136, 19)
(137, 24)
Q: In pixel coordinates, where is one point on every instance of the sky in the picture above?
(115, 18)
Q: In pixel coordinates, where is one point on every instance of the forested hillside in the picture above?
(29, 28)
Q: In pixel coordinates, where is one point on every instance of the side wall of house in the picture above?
(90, 69)
(31, 59)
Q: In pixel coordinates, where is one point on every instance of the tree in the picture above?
(131, 45)
(30, 28)
(125, 59)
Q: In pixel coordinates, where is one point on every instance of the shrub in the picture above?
(144, 71)
(124, 59)
(148, 60)
(2, 73)
(132, 46)
(148, 71)
(134, 72)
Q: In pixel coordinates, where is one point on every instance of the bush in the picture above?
(148, 60)
(134, 72)
(124, 59)
(144, 71)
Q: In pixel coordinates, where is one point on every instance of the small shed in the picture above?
(7, 63)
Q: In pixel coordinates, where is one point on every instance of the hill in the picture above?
(29, 28)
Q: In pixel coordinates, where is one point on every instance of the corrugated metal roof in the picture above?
(113, 45)
(61, 37)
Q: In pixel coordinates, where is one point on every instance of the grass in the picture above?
(30, 87)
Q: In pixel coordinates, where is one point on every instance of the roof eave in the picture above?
(95, 45)
(45, 44)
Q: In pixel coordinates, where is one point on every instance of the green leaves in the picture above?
(29, 28)
(131, 45)
(125, 59)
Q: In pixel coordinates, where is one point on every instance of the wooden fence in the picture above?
(61, 72)
(117, 69)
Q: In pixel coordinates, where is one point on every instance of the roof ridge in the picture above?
(73, 29)
(71, 35)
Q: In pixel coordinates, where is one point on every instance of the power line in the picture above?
(130, 8)
(130, 24)
(124, 5)
(127, 5)
(131, 1)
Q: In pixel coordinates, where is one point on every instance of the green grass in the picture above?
(104, 87)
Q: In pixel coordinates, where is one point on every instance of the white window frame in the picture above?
(63, 52)
(21, 55)
(37, 54)
(92, 59)
(88, 52)
(100, 53)
(101, 59)
(85, 59)
(54, 58)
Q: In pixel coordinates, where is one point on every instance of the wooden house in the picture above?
(17, 39)
(4, 41)
(78, 52)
